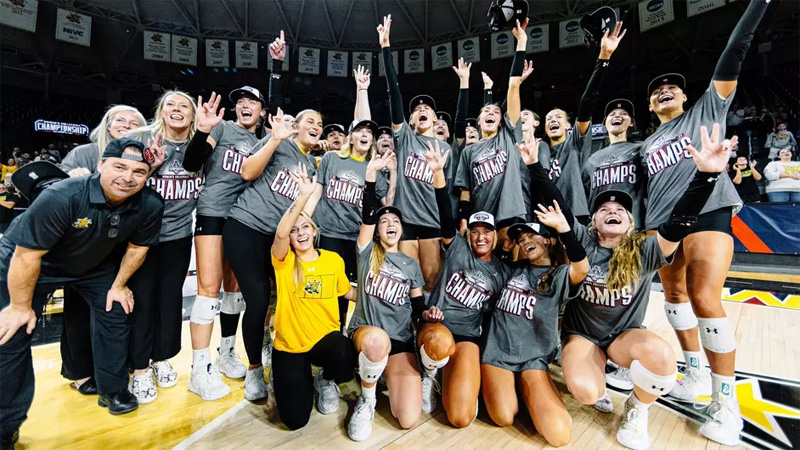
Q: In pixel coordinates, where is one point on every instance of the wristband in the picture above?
(573, 247)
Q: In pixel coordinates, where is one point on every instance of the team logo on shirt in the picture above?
(490, 163)
(613, 171)
(665, 153)
(517, 298)
(174, 183)
(82, 223)
(390, 286)
(594, 290)
(416, 168)
(471, 289)
(233, 158)
(346, 187)
(313, 287)
(555, 169)
(284, 185)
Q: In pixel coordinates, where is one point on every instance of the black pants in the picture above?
(293, 382)
(248, 252)
(158, 294)
(109, 340)
(347, 250)
(76, 337)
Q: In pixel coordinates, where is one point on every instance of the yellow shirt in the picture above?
(306, 313)
(7, 170)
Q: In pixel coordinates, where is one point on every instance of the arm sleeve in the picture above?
(395, 97)
(446, 220)
(518, 64)
(547, 191)
(730, 62)
(275, 87)
(461, 114)
(592, 92)
(197, 152)
(369, 204)
(488, 96)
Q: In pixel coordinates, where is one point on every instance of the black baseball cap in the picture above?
(596, 23)
(364, 123)
(327, 129)
(116, 149)
(667, 78)
(249, 91)
(421, 100)
(613, 195)
(623, 103)
(442, 115)
(384, 130)
(527, 227)
(388, 210)
(473, 122)
(504, 13)
(31, 179)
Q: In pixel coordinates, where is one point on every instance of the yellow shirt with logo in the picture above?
(307, 312)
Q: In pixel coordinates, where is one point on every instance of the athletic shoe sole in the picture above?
(207, 398)
(619, 384)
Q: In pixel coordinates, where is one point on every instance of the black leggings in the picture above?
(347, 250)
(293, 382)
(248, 252)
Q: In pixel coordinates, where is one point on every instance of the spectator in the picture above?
(779, 140)
(784, 178)
(9, 168)
(744, 180)
(734, 119)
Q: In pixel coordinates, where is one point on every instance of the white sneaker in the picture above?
(360, 426)
(724, 423)
(255, 388)
(166, 376)
(229, 364)
(327, 394)
(430, 387)
(695, 382)
(207, 383)
(620, 379)
(266, 350)
(604, 405)
(632, 431)
(143, 388)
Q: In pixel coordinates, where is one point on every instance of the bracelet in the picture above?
(363, 89)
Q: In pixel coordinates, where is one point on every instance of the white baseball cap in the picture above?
(481, 217)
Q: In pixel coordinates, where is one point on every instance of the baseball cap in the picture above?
(528, 227)
(503, 13)
(384, 130)
(236, 94)
(442, 115)
(613, 195)
(473, 122)
(116, 149)
(623, 103)
(421, 100)
(596, 23)
(32, 178)
(481, 218)
(667, 78)
(388, 210)
(332, 127)
(365, 122)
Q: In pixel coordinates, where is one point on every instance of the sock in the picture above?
(201, 358)
(226, 344)
(694, 360)
(634, 402)
(368, 392)
(724, 386)
(431, 373)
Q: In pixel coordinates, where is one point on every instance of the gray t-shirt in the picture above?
(566, 164)
(338, 213)
(466, 288)
(384, 301)
(523, 330)
(601, 314)
(263, 202)
(415, 196)
(618, 167)
(85, 156)
(670, 167)
(224, 181)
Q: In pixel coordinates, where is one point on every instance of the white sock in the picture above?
(724, 386)
(226, 344)
(694, 360)
(636, 403)
(431, 373)
(368, 392)
(201, 358)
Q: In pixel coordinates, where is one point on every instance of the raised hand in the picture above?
(552, 217)
(433, 314)
(207, 116)
(611, 40)
(362, 77)
(435, 158)
(384, 29)
(714, 154)
(530, 152)
(279, 129)
(380, 162)
(462, 70)
(753, 164)
(527, 70)
(487, 82)
(305, 184)
(158, 150)
(277, 49)
(519, 33)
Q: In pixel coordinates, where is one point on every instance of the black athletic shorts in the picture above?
(602, 343)
(414, 232)
(347, 250)
(477, 340)
(209, 226)
(716, 220)
(402, 347)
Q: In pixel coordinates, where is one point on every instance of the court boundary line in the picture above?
(209, 427)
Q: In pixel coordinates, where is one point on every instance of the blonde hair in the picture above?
(297, 272)
(625, 266)
(494, 240)
(159, 125)
(347, 149)
(101, 135)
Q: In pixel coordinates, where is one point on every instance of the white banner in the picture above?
(395, 59)
(157, 46)
(469, 49)
(695, 7)
(414, 60)
(654, 13)
(217, 53)
(308, 60)
(285, 65)
(442, 56)
(363, 59)
(570, 33)
(539, 38)
(19, 14)
(503, 44)
(247, 55)
(73, 27)
(184, 50)
(337, 63)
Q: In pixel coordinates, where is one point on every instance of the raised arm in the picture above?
(306, 186)
(518, 67)
(255, 164)
(369, 200)
(362, 111)
(463, 100)
(277, 50)
(436, 162)
(395, 97)
(390, 194)
(202, 144)
(608, 45)
(542, 188)
(553, 217)
(488, 96)
(756, 173)
(726, 74)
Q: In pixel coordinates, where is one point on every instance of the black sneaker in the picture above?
(121, 402)
(89, 387)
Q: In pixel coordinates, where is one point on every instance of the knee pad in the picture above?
(429, 363)
(717, 335)
(650, 382)
(680, 315)
(204, 310)
(370, 371)
(232, 303)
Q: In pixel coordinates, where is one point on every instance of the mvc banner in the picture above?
(337, 63)
(19, 14)
(157, 46)
(246, 55)
(308, 60)
(73, 27)
(217, 53)
(395, 59)
(363, 59)
(184, 50)
(285, 65)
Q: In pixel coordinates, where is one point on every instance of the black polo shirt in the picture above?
(73, 222)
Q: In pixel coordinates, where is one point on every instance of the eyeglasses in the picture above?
(113, 221)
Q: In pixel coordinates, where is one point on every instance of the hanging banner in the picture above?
(539, 38)
(442, 56)
(337, 63)
(395, 59)
(308, 60)
(19, 14)
(363, 59)
(157, 45)
(246, 55)
(469, 49)
(217, 53)
(570, 33)
(414, 60)
(184, 50)
(73, 27)
(695, 7)
(654, 13)
(285, 65)
(503, 44)
(60, 127)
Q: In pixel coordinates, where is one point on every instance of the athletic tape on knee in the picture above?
(650, 382)
(370, 371)
(204, 310)
(232, 303)
(717, 335)
(429, 363)
(680, 315)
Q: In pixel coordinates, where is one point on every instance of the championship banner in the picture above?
(19, 13)
(570, 33)
(695, 7)
(503, 44)
(395, 59)
(654, 13)
(285, 65)
(363, 59)
(184, 50)
(414, 60)
(61, 127)
(157, 45)
(538, 38)
(73, 27)
(469, 49)
(246, 55)
(217, 53)
(442, 56)
(308, 60)
(337, 63)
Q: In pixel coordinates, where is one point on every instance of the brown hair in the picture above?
(558, 257)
